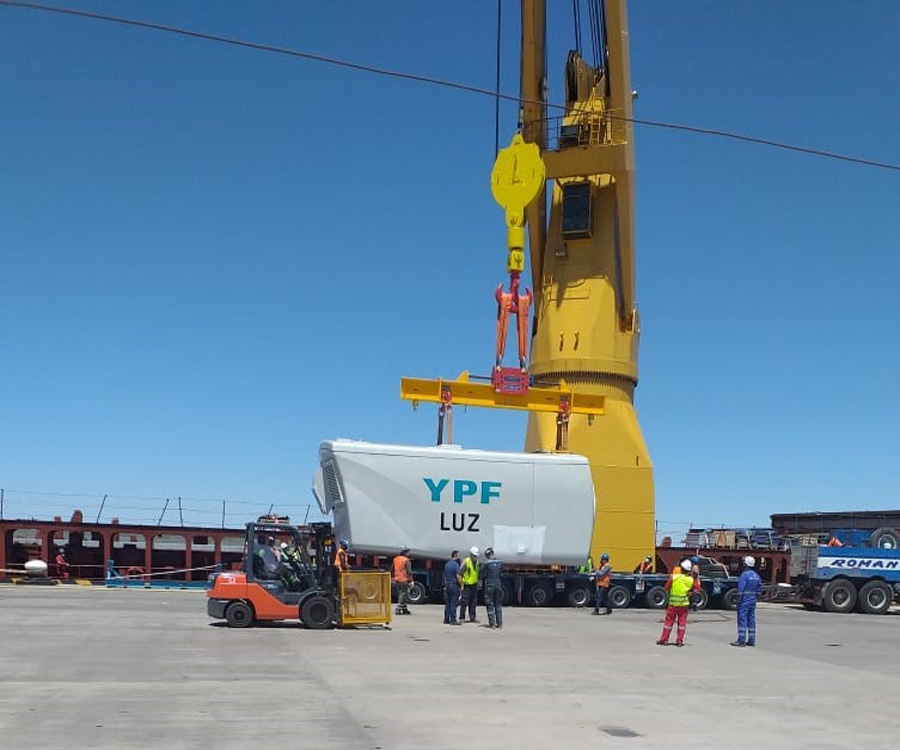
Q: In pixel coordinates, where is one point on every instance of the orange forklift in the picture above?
(289, 574)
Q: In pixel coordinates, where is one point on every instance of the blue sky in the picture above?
(213, 258)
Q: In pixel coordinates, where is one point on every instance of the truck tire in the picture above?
(700, 599)
(538, 595)
(656, 598)
(839, 596)
(578, 595)
(730, 599)
(239, 615)
(875, 598)
(885, 538)
(317, 612)
(416, 594)
(618, 597)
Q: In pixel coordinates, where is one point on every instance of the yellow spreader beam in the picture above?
(463, 392)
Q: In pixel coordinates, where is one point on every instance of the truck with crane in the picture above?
(841, 579)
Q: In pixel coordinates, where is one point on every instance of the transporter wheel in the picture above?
(839, 596)
(317, 612)
(656, 598)
(885, 538)
(416, 593)
(618, 597)
(578, 596)
(700, 599)
(538, 595)
(239, 615)
(875, 598)
(730, 599)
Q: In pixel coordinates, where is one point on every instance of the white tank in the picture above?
(532, 508)
(36, 568)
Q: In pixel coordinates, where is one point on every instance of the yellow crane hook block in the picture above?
(516, 179)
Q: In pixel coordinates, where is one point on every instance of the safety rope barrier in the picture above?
(128, 576)
(143, 576)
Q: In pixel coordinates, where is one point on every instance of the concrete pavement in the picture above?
(87, 667)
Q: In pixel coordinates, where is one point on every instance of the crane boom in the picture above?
(586, 327)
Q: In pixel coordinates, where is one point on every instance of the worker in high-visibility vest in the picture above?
(469, 575)
(401, 574)
(342, 556)
(601, 580)
(680, 585)
(291, 567)
(645, 566)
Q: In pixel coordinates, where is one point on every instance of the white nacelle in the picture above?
(532, 508)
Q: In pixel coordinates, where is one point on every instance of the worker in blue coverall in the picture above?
(491, 573)
(452, 584)
(749, 588)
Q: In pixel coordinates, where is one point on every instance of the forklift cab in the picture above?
(289, 563)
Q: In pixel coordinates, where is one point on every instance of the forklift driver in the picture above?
(292, 564)
(269, 563)
(265, 561)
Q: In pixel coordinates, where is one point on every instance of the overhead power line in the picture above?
(441, 82)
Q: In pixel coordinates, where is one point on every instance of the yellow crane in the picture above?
(587, 326)
(584, 344)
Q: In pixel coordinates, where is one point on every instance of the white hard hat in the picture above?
(474, 551)
(749, 561)
(685, 566)
(284, 545)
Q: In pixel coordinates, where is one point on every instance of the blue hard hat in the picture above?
(344, 543)
(604, 556)
(695, 559)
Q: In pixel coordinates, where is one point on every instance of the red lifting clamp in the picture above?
(511, 379)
